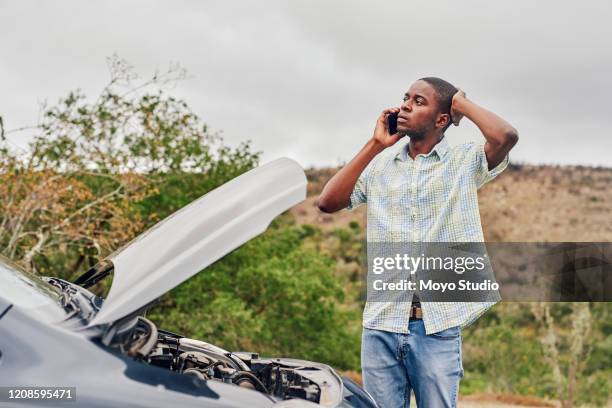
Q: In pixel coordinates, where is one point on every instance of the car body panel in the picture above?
(34, 353)
(199, 234)
(43, 345)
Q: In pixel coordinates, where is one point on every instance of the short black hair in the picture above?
(444, 91)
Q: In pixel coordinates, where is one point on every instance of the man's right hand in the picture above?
(381, 131)
(337, 192)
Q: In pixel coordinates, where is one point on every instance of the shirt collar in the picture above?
(440, 149)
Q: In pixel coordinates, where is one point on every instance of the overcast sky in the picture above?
(307, 79)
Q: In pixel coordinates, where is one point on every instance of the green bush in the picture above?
(272, 296)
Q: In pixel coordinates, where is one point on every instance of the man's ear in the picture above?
(443, 120)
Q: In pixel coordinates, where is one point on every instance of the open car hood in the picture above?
(198, 234)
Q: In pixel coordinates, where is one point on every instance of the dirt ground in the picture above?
(484, 400)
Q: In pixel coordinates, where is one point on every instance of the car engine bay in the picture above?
(279, 378)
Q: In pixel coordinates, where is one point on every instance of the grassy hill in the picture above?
(502, 354)
(524, 204)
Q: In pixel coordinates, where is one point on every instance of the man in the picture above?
(420, 191)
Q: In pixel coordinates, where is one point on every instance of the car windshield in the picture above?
(30, 293)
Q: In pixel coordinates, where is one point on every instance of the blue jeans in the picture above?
(393, 364)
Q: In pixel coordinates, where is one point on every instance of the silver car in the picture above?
(57, 335)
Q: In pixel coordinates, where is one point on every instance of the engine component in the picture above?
(279, 379)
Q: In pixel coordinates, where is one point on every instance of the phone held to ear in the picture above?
(392, 122)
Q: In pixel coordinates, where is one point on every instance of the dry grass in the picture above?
(524, 204)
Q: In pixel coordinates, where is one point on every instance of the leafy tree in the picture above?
(566, 350)
(277, 297)
(98, 173)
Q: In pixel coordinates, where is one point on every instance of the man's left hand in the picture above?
(455, 112)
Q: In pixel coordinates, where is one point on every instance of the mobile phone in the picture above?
(392, 121)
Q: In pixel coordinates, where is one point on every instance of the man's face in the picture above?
(419, 111)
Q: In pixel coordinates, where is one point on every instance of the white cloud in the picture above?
(307, 79)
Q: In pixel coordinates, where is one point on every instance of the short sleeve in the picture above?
(482, 173)
(360, 192)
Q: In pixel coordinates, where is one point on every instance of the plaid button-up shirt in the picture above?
(432, 198)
